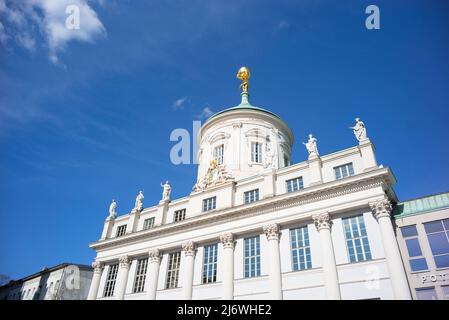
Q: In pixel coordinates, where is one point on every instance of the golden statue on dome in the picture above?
(244, 74)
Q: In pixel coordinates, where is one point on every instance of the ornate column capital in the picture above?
(272, 231)
(227, 240)
(98, 266)
(322, 221)
(155, 255)
(188, 248)
(125, 261)
(381, 208)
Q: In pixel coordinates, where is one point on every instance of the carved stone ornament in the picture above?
(98, 266)
(155, 256)
(125, 261)
(227, 240)
(381, 208)
(272, 231)
(322, 221)
(215, 175)
(188, 247)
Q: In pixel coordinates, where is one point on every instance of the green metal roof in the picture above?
(245, 105)
(421, 205)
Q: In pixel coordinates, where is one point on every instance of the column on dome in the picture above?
(95, 283)
(155, 262)
(228, 242)
(323, 224)
(272, 232)
(189, 263)
(122, 276)
(381, 210)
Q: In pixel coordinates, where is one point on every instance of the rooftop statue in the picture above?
(359, 130)
(112, 209)
(166, 192)
(311, 146)
(139, 202)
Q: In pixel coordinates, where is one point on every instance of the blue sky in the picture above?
(86, 117)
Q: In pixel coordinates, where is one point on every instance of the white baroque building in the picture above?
(258, 227)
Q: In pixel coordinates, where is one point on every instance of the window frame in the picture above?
(298, 182)
(219, 156)
(209, 267)
(172, 276)
(251, 196)
(179, 215)
(147, 225)
(119, 230)
(445, 232)
(305, 249)
(111, 280)
(213, 206)
(366, 254)
(140, 275)
(248, 273)
(256, 152)
(418, 257)
(349, 171)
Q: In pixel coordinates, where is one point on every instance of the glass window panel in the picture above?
(433, 226)
(426, 294)
(409, 231)
(418, 264)
(442, 261)
(446, 224)
(413, 247)
(438, 243)
(445, 292)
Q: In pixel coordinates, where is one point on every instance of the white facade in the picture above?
(321, 206)
(62, 282)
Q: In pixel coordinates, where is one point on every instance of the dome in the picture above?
(240, 142)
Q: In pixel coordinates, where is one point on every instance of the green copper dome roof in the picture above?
(245, 105)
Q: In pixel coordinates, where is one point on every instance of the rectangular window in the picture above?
(210, 263)
(256, 152)
(179, 215)
(438, 236)
(148, 223)
(445, 292)
(209, 204)
(174, 261)
(110, 280)
(252, 257)
(356, 239)
(295, 184)
(426, 294)
(251, 196)
(121, 230)
(344, 171)
(416, 259)
(286, 161)
(219, 154)
(300, 248)
(141, 272)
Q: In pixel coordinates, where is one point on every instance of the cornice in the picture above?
(381, 177)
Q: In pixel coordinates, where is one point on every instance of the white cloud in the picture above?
(282, 25)
(49, 16)
(205, 113)
(180, 103)
(25, 40)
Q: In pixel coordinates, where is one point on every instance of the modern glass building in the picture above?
(423, 237)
